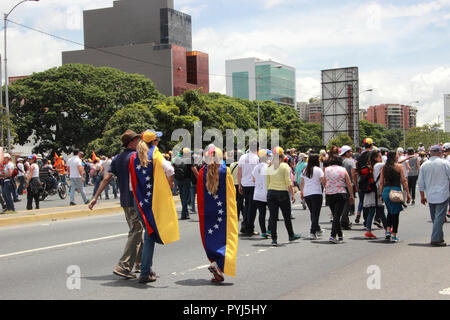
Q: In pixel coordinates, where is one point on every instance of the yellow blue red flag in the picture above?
(154, 197)
(218, 220)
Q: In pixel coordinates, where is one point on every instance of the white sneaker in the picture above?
(313, 236)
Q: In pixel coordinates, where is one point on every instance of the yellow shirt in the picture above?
(279, 179)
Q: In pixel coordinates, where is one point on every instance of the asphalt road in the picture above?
(41, 261)
(56, 201)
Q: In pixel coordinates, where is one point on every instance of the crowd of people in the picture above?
(261, 180)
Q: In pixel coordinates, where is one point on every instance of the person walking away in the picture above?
(182, 165)
(33, 184)
(132, 253)
(8, 184)
(413, 173)
(97, 175)
(403, 160)
(45, 175)
(337, 188)
(434, 187)
(217, 215)
(260, 195)
(234, 173)
(301, 165)
(246, 164)
(20, 176)
(152, 179)
(197, 163)
(112, 182)
(280, 193)
(372, 200)
(76, 176)
(391, 179)
(311, 190)
(360, 165)
(349, 164)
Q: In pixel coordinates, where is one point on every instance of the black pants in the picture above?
(30, 197)
(249, 213)
(279, 200)
(345, 221)
(412, 181)
(239, 202)
(262, 209)
(337, 203)
(393, 221)
(314, 203)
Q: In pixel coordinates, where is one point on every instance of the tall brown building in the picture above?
(145, 37)
(393, 116)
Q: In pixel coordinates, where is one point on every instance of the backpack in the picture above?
(15, 172)
(366, 181)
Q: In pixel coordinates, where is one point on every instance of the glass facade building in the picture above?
(276, 84)
(255, 79)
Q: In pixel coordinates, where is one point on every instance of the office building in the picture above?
(393, 116)
(256, 79)
(145, 37)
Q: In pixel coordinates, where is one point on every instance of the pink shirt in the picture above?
(335, 180)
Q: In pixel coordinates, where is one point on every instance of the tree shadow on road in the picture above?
(201, 282)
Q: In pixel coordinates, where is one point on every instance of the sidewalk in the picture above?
(61, 213)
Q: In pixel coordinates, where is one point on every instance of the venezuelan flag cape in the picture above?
(218, 220)
(154, 197)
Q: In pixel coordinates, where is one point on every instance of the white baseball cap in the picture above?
(7, 155)
(345, 149)
(446, 145)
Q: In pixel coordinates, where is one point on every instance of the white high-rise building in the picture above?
(447, 112)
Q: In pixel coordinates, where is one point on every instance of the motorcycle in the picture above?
(60, 189)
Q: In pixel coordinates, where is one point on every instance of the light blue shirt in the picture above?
(434, 180)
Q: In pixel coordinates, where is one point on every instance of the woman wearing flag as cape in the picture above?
(152, 180)
(216, 199)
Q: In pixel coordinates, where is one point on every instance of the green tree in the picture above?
(67, 107)
(341, 140)
(428, 134)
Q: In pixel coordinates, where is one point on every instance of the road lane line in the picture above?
(62, 245)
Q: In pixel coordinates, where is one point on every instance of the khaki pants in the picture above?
(132, 254)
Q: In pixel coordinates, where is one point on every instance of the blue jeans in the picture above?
(96, 180)
(75, 183)
(192, 194)
(372, 212)
(112, 182)
(147, 249)
(438, 212)
(184, 186)
(8, 193)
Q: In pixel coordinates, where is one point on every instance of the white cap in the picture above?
(345, 149)
(400, 150)
(20, 159)
(7, 155)
(446, 145)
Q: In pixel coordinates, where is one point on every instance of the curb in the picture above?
(60, 215)
(36, 217)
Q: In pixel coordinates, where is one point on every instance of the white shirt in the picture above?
(312, 185)
(73, 167)
(8, 167)
(247, 163)
(21, 169)
(405, 169)
(259, 173)
(434, 177)
(383, 159)
(35, 171)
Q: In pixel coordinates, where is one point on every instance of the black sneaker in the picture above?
(357, 218)
(378, 224)
(73, 204)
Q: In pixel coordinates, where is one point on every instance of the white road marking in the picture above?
(62, 245)
(445, 292)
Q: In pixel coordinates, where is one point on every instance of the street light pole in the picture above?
(8, 130)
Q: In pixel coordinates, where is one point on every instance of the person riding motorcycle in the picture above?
(45, 175)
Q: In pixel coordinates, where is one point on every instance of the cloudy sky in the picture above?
(402, 47)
